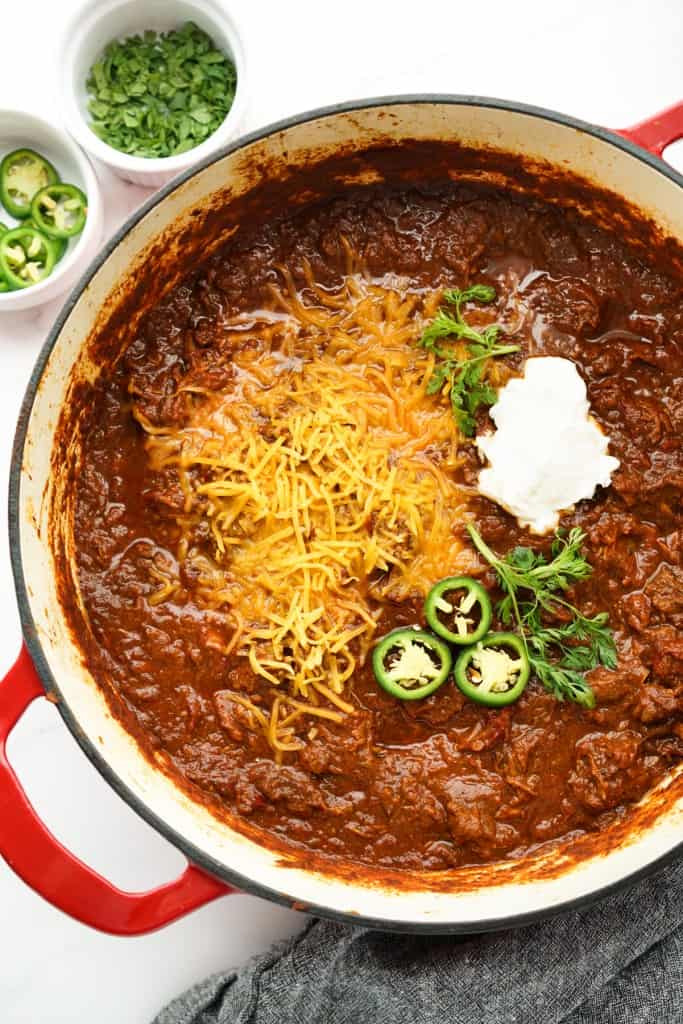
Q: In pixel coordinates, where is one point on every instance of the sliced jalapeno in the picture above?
(411, 663)
(493, 671)
(59, 211)
(4, 287)
(60, 245)
(22, 174)
(459, 609)
(26, 257)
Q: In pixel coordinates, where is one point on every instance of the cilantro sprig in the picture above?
(463, 379)
(157, 95)
(562, 652)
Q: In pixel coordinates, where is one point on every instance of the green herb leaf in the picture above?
(562, 651)
(201, 114)
(463, 378)
(564, 683)
(475, 293)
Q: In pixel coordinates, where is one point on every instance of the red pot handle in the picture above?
(659, 131)
(59, 877)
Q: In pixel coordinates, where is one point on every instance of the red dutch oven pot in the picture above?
(625, 161)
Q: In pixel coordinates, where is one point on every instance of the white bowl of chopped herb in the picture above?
(150, 89)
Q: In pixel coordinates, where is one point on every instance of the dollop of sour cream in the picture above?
(547, 452)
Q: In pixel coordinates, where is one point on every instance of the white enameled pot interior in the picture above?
(502, 895)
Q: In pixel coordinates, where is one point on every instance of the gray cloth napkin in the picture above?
(617, 962)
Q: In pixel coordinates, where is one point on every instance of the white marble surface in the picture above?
(612, 62)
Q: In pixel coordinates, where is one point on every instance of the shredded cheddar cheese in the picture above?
(323, 477)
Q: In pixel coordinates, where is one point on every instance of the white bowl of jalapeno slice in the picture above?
(50, 211)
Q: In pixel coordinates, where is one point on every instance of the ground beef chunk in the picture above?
(210, 369)
(610, 685)
(462, 241)
(330, 752)
(606, 771)
(248, 797)
(471, 805)
(666, 653)
(164, 494)
(661, 471)
(665, 589)
(646, 417)
(234, 717)
(524, 741)
(636, 609)
(618, 350)
(565, 302)
(418, 809)
(292, 789)
(656, 703)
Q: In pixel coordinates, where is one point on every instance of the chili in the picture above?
(422, 785)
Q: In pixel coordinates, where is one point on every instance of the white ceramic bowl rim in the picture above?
(86, 18)
(21, 573)
(92, 223)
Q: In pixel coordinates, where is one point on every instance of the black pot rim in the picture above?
(194, 854)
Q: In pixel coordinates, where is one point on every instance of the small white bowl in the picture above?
(20, 130)
(101, 21)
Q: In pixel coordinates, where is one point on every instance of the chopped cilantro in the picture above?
(463, 378)
(157, 95)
